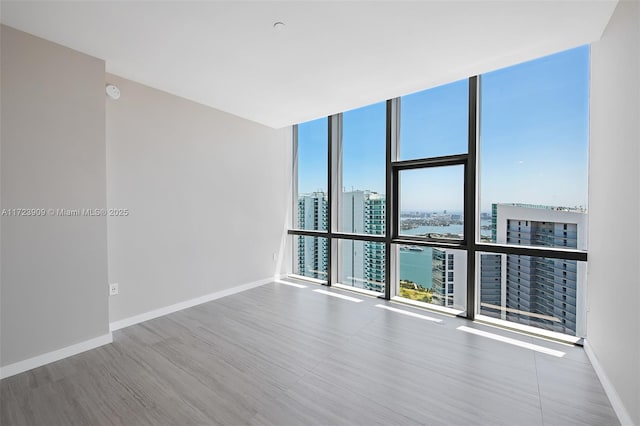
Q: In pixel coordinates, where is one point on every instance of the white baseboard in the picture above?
(49, 357)
(146, 316)
(609, 389)
(40, 360)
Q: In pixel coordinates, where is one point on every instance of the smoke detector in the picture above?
(112, 91)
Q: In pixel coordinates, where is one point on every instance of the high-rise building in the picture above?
(536, 291)
(448, 278)
(362, 263)
(312, 251)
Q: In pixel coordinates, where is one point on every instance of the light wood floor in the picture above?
(281, 355)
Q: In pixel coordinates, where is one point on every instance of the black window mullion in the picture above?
(390, 198)
(471, 199)
(395, 188)
(330, 141)
(421, 163)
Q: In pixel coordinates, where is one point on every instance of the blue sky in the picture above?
(533, 139)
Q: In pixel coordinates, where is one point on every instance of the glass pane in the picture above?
(534, 291)
(434, 276)
(435, 122)
(362, 264)
(311, 260)
(312, 175)
(363, 173)
(312, 211)
(534, 146)
(530, 225)
(432, 202)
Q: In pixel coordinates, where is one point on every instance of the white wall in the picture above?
(54, 269)
(613, 319)
(207, 194)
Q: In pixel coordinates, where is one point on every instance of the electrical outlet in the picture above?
(113, 289)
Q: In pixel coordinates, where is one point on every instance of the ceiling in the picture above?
(331, 56)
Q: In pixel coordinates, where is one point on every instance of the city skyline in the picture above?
(531, 290)
(447, 211)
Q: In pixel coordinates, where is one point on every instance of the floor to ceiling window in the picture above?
(429, 180)
(311, 252)
(533, 190)
(468, 197)
(361, 159)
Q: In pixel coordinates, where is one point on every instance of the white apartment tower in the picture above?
(448, 278)
(362, 263)
(312, 251)
(541, 292)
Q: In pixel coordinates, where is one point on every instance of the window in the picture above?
(433, 122)
(561, 315)
(362, 265)
(363, 179)
(423, 279)
(542, 311)
(547, 184)
(432, 202)
(311, 257)
(534, 129)
(312, 181)
(362, 205)
(392, 208)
